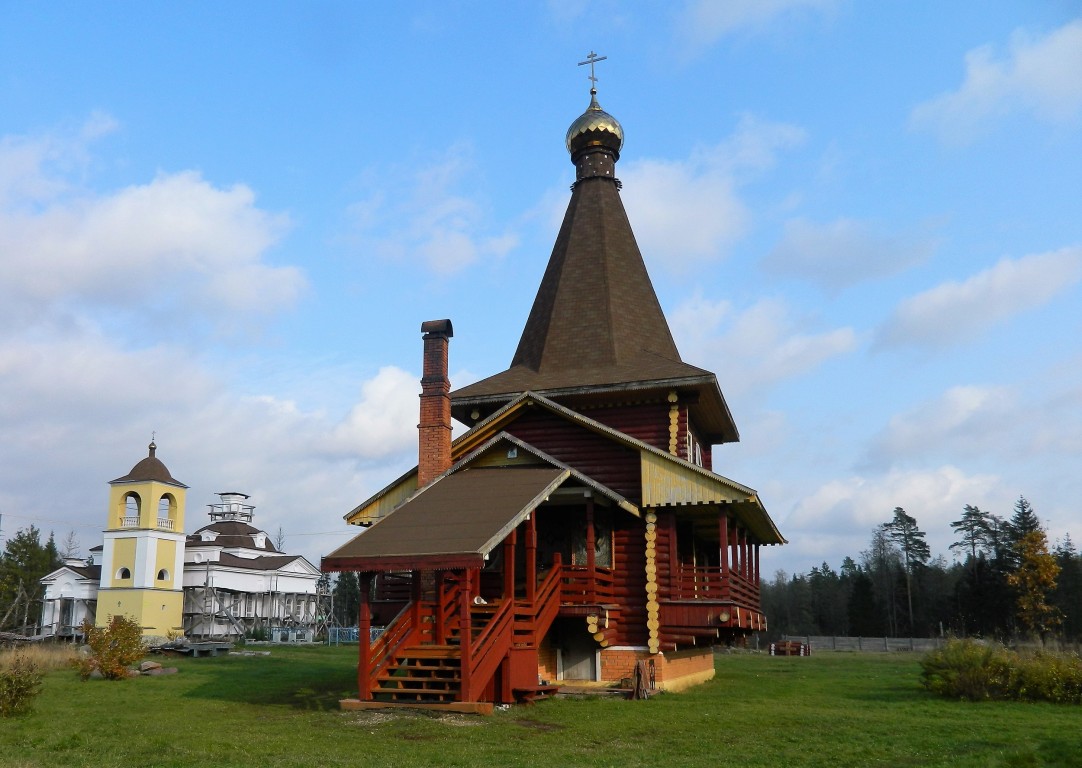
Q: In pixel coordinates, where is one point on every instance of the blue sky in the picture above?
(224, 225)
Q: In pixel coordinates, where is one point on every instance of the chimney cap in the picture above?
(438, 327)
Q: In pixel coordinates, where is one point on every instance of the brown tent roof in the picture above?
(150, 468)
(596, 324)
(453, 523)
(261, 563)
(231, 533)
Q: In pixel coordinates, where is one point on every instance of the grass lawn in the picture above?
(281, 710)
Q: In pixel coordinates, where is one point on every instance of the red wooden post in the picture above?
(591, 555)
(465, 634)
(531, 557)
(509, 565)
(674, 552)
(755, 552)
(415, 600)
(734, 552)
(723, 549)
(364, 641)
(441, 595)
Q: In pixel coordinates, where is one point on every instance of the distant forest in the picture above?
(1004, 580)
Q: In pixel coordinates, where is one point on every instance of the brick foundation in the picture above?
(673, 671)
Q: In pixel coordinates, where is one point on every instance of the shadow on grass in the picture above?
(312, 679)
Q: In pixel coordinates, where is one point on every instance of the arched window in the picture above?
(163, 575)
(123, 573)
(130, 516)
(167, 509)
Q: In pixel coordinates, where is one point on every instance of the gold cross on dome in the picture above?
(591, 59)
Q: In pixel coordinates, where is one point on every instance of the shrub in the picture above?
(966, 669)
(112, 648)
(1048, 677)
(20, 682)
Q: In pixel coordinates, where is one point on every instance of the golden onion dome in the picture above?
(595, 128)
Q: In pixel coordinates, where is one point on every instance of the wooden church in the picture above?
(577, 528)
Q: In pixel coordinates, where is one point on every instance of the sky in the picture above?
(221, 226)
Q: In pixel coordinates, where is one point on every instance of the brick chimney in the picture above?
(434, 438)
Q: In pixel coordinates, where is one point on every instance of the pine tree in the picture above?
(1024, 521)
(24, 562)
(1068, 595)
(903, 531)
(347, 599)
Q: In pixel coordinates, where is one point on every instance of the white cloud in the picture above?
(431, 220)
(955, 311)
(176, 245)
(839, 516)
(1041, 75)
(78, 411)
(686, 212)
(963, 421)
(704, 22)
(384, 420)
(764, 342)
(844, 252)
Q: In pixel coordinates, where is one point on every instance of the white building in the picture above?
(235, 581)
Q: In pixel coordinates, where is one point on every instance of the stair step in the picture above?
(420, 681)
(432, 652)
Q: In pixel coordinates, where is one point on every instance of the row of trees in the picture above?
(24, 561)
(1005, 581)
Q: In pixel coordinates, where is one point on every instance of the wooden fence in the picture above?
(820, 644)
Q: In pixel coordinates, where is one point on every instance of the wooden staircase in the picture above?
(408, 666)
(423, 674)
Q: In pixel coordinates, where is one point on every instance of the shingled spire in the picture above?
(596, 327)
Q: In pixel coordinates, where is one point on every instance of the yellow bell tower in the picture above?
(142, 567)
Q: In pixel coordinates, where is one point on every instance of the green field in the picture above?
(281, 710)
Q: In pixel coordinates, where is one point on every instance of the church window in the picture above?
(163, 575)
(123, 573)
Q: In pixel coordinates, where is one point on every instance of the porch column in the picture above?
(591, 555)
(723, 544)
(755, 555)
(509, 565)
(675, 565)
(733, 551)
(364, 640)
(441, 595)
(465, 633)
(531, 557)
(415, 599)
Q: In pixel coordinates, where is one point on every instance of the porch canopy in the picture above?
(453, 523)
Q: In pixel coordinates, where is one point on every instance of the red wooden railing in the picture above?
(709, 583)
(581, 586)
(532, 620)
(382, 652)
(486, 651)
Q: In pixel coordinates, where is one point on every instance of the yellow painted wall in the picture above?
(158, 612)
(165, 557)
(123, 557)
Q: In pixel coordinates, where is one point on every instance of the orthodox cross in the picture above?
(592, 59)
